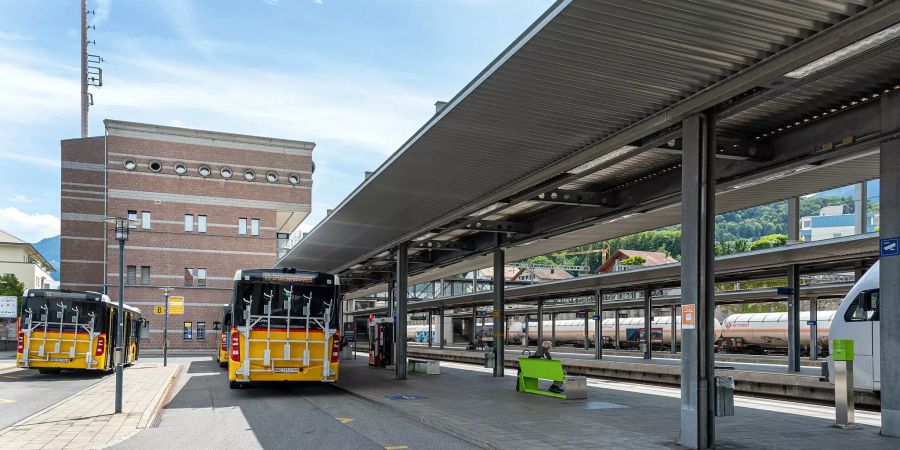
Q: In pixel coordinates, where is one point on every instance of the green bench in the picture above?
(532, 370)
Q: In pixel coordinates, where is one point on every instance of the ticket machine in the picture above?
(381, 341)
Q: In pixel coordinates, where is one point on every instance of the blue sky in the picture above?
(356, 77)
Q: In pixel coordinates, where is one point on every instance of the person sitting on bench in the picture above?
(543, 352)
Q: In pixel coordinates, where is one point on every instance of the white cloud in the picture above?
(12, 36)
(29, 159)
(28, 227)
(318, 2)
(19, 198)
(101, 12)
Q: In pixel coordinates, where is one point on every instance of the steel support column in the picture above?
(648, 325)
(441, 328)
(474, 331)
(814, 328)
(860, 211)
(674, 330)
(793, 220)
(587, 339)
(889, 301)
(553, 329)
(540, 330)
(499, 316)
(402, 294)
(598, 325)
(617, 329)
(793, 308)
(430, 332)
(698, 187)
(392, 297)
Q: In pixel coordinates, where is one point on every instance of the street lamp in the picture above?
(122, 225)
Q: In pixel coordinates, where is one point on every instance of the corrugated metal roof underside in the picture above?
(590, 71)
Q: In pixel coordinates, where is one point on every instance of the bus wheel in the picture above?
(48, 371)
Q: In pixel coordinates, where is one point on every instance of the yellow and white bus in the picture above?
(284, 327)
(222, 348)
(72, 330)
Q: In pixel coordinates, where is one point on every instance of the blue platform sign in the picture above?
(785, 291)
(811, 322)
(890, 246)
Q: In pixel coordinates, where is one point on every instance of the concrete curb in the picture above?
(436, 425)
(151, 411)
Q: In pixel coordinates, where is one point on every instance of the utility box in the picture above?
(724, 396)
(842, 349)
(489, 360)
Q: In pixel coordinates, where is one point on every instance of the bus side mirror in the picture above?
(869, 301)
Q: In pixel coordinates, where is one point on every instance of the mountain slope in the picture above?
(49, 249)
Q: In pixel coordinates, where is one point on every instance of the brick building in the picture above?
(206, 204)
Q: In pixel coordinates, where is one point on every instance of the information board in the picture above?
(688, 317)
(8, 306)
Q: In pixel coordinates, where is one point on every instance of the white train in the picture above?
(631, 331)
(857, 319)
(764, 332)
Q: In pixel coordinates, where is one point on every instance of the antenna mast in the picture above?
(90, 75)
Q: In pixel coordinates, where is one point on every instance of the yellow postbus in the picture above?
(222, 348)
(284, 327)
(72, 330)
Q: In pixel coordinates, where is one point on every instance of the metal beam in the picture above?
(441, 327)
(587, 318)
(648, 324)
(498, 313)
(553, 329)
(793, 307)
(889, 268)
(674, 331)
(861, 209)
(540, 324)
(698, 277)
(616, 311)
(498, 226)
(814, 328)
(577, 198)
(793, 219)
(402, 294)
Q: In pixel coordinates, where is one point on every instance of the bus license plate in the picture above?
(287, 370)
(62, 360)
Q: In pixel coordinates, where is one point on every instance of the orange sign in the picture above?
(688, 317)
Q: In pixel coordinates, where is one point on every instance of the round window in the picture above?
(272, 177)
(249, 175)
(294, 178)
(180, 169)
(226, 172)
(204, 171)
(130, 164)
(155, 166)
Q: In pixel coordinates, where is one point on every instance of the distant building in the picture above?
(652, 259)
(832, 223)
(205, 204)
(528, 274)
(27, 264)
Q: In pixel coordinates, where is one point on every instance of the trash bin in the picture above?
(724, 396)
(489, 360)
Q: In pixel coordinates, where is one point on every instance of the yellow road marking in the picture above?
(396, 447)
(344, 419)
(3, 400)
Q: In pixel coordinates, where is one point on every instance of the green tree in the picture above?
(635, 260)
(769, 241)
(10, 285)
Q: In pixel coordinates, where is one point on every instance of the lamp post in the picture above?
(122, 226)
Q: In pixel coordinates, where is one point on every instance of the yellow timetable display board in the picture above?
(176, 306)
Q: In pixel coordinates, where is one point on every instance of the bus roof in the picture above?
(287, 275)
(76, 295)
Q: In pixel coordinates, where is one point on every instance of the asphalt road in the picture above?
(24, 392)
(204, 413)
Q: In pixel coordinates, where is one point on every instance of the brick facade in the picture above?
(96, 183)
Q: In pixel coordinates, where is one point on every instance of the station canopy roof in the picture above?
(572, 134)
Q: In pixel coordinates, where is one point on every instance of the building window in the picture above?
(188, 276)
(201, 224)
(188, 223)
(130, 164)
(145, 330)
(201, 331)
(155, 166)
(254, 227)
(180, 169)
(272, 177)
(132, 219)
(188, 331)
(242, 226)
(217, 326)
(294, 178)
(132, 274)
(204, 171)
(201, 277)
(145, 220)
(145, 275)
(249, 175)
(225, 172)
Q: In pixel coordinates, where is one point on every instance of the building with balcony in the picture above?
(20, 258)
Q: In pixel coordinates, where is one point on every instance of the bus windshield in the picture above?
(70, 312)
(321, 299)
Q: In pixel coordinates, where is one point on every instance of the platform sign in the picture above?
(8, 306)
(688, 317)
(811, 322)
(176, 305)
(159, 310)
(890, 246)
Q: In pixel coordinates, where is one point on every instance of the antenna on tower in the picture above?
(91, 74)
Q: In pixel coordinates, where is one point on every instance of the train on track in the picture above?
(757, 333)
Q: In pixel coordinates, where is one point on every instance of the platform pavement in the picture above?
(466, 401)
(86, 419)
